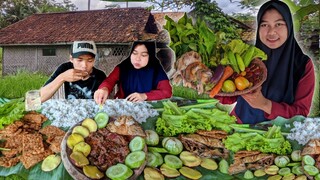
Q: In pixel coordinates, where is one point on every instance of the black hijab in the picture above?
(145, 79)
(285, 65)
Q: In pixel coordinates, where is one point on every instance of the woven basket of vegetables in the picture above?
(255, 73)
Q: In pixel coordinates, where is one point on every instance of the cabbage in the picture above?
(172, 145)
(152, 138)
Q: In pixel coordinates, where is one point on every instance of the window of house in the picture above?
(49, 52)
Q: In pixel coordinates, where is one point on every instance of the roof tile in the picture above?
(120, 25)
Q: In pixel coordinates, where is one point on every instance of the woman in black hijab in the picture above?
(290, 83)
(139, 77)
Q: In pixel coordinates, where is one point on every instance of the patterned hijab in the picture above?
(285, 65)
(144, 79)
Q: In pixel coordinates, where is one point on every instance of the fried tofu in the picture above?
(9, 162)
(52, 131)
(55, 143)
(32, 144)
(29, 160)
(26, 144)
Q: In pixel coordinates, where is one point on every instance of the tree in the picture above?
(162, 5)
(14, 10)
(300, 9)
(216, 19)
(127, 1)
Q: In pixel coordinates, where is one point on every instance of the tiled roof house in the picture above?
(41, 42)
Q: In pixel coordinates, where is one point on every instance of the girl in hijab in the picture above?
(290, 83)
(139, 77)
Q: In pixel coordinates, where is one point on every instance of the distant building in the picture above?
(41, 42)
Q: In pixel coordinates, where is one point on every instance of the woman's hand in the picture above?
(101, 95)
(258, 101)
(137, 97)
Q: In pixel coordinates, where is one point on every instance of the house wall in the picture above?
(30, 58)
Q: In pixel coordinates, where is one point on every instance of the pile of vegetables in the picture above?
(271, 141)
(168, 159)
(175, 120)
(187, 36)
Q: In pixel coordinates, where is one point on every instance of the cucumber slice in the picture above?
(137, 144)
(284, 171)
(209, 163)
(310, 170)
(159, 158)
(92, 172)
(168, 171)
(190, 173)
(151, 160)
(308, 160)
(172, 161)
(119, 172)
(135, 159)
(101, 119)
(50, 163)
(152, 174)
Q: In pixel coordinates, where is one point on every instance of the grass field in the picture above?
(16, 85)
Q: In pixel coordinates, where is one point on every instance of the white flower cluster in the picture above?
(304, 131)
(66, 113)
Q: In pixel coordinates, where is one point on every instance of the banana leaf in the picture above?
(36, 172)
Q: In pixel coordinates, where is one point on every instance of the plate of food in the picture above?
(252, 78)
(117, 150)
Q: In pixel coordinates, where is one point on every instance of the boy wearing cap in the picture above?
(79, 76)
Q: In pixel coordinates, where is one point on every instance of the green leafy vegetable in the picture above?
(11, 111)
(175, 120)
(271, 141)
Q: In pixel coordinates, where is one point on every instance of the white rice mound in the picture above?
(66, 113)
(304, 131)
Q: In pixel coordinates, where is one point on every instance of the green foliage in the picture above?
(215, 18)
(14, 10)
(186, 36)
(0, 62)
(175, 120)
(15, 86)
(271, 141)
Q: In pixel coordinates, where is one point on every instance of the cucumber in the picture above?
(119, 172)
(310, 170)
(168, 171)
(190, 173)
(209, 163)
(151, 160)
(159, 157)
(308, 160)
(157, 149)
(101, 119)
(137, 144)
(135, 159)
(50, 163)
(172, 161)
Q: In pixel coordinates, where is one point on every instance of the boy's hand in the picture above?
(73, 75)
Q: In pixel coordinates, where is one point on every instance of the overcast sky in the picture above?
(225, 5)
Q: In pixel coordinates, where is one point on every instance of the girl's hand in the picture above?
(101, 95)
(258, 101)
(137, 97)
